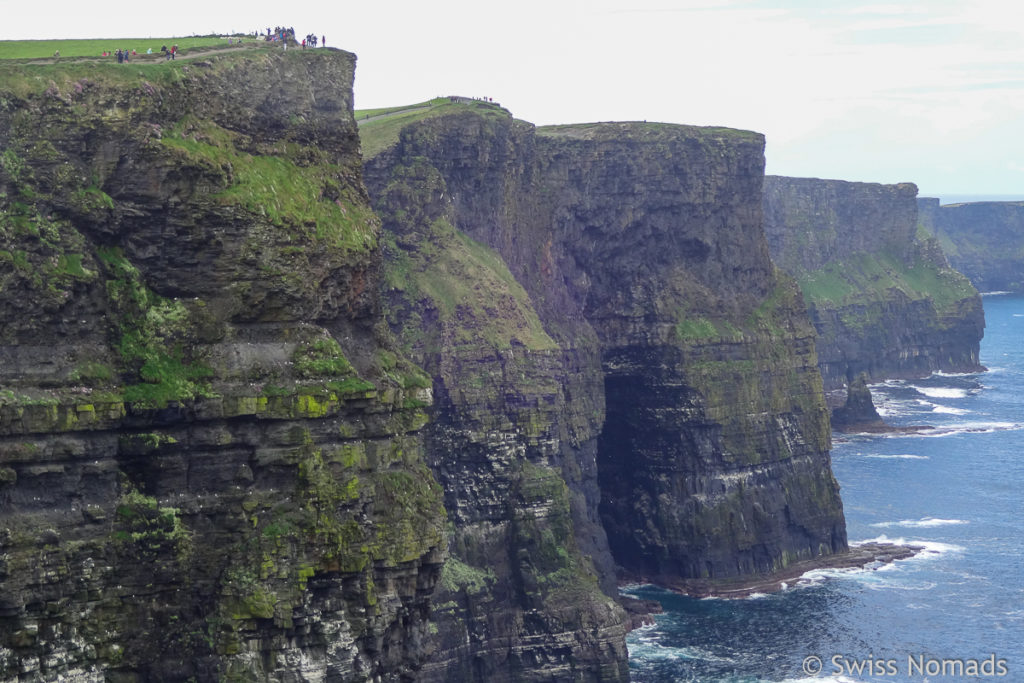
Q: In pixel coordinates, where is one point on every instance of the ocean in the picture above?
(954, 612)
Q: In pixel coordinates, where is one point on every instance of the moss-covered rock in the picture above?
(209, 445)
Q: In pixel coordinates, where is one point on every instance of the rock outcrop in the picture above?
(882, 296)
(983, 240)
(637, 274)
(210, 458)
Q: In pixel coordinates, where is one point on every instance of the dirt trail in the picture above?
(392, 113)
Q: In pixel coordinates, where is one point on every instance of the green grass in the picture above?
(308, 198)
(153, 335)
(369, 113)
(378, 134)
(472, 289)
(870, 276)
(94, 47)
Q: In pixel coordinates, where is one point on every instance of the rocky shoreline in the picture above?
(861, 556)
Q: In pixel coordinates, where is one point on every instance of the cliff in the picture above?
(687, 422)
(257, 423)
(210, 459)
(983, 240)
(883, 298)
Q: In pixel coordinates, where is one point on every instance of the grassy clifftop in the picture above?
(380, 129)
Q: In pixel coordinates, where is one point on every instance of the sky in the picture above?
(930, 92)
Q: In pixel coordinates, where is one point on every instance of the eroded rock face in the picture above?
(882, 296)
(983, 240)
(210, 457)
(690, 394)
(513, 441)
(713, 458)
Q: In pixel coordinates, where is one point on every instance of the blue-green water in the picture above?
(958, 490)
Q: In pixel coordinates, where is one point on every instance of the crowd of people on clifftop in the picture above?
(284, 35)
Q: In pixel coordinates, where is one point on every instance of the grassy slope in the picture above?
(94, 47)
(870, 276)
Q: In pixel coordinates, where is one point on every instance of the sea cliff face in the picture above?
(689, 427)
(883, 298)
(210, 455)
(983, 240)
(257, 423)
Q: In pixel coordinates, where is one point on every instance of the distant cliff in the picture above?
(687, 420)
(983, 240)
(883, 298)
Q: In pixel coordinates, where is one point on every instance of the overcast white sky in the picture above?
(928, 91)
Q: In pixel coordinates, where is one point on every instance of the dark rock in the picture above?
(859, 410)
(983, 240)
(687, 418)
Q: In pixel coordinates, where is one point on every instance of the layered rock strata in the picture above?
(983, 240)
(689, 394)
(210, 459)
(220, 455)
(883, 298)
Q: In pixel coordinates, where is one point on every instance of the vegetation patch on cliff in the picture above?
(869, 276)
(469, 286)
(306, 199)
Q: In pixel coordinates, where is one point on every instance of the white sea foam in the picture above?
(996, 293)
(816, 576)
(631, 587)
(646, 646)
(940, 373)
(970, 428)
(925, 523)
(949, 410)
(941, 392)
(899, 456)
(928, 548)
